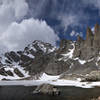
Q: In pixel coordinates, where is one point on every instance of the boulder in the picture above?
(96, 98)
(47, 89)
(93, 76)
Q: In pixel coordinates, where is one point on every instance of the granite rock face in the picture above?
(96, 42)
(90, 47)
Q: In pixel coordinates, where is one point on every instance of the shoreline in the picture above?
(52, 82)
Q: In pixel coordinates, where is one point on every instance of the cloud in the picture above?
(73, 13)
(67, 20)
(18, 35)
(11, 10)
(54, 9)
(72, 33)
(75, 34)
(37, 7)
(94, 4)
(17, 32)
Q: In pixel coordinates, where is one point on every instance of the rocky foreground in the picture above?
(71, 61)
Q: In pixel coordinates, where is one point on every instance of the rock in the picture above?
(47, 89)
(16, 70)
(12, 56)
(9, 73)
(78, 47)
(72, 77)
(65, 45)
(55, 67)
(90, 47)
(89, 38)
(87, 50)
(96, 98)
(97, 37)
(2, 72)
(93, 76)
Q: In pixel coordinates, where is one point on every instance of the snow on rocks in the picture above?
(29, 55)
(80, 61)
(68, 55)
(45, 47)
(21, 69)
(12, 70)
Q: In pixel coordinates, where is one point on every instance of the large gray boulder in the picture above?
(47, 89)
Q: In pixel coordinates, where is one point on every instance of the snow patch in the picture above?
(80, 61)
(90, 60)
(29, 55)
(71, 65)
(68, 55)
(98, 59)
(52, 50)
(46, 77)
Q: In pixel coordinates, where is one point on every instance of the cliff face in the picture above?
(96, 42)
(91, 46)
(80, 57)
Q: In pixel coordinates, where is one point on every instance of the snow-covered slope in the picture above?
(13, 64)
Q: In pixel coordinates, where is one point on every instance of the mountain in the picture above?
(73, 59)
(26, 63)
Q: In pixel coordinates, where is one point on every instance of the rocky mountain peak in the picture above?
(97, 37)
(89, 37)
(65, 45)
(79, 39)
(39, 46)
(90, 47)
(89, 33)
(96, 28)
